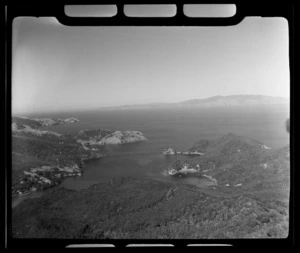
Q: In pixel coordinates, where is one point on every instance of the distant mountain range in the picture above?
(215, 101)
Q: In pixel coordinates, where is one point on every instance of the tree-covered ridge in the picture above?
(237, 165)
(136, 208)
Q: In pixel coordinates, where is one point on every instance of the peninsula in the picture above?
(234, 161)
(102, 137)
(42, 158)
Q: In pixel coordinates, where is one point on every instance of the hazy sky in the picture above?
(56, 67)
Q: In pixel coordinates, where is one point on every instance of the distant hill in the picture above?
(215, 101)
(235, 100)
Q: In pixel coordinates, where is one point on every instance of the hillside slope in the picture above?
(140, 208)
(250, 200)
(240, 165)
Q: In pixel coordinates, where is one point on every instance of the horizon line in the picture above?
(137, 104)
(153, 103)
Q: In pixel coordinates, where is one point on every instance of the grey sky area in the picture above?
(56, 67)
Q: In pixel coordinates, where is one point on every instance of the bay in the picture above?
(177, 128)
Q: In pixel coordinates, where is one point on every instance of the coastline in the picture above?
(18, 198)
(43, 159)
(76, 171)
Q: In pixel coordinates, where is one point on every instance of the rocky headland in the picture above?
(108, 137)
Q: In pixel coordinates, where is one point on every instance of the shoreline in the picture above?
(30, 193)
(76, 170)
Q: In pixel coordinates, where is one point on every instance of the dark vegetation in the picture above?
(21, 122)
(61, 152)
(235, 160)
(144, 208)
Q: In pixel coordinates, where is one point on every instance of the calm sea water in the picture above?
(178, 128)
